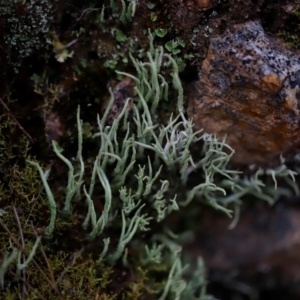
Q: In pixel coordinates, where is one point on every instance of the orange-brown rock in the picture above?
(249, 90)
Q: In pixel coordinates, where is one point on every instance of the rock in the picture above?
(121, 92)
(249, 90)
(55, 129)
(264, 244)
(260, 236)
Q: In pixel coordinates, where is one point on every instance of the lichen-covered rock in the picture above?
(249, 90)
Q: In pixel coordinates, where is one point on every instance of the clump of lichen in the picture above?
(37, 269)
(133, 193)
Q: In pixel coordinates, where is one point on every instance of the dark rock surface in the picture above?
(249, 90)
(264, 245)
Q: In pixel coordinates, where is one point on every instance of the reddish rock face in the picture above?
(249, 90)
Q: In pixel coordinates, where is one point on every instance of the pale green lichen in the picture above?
(143, 172)
(134, 201)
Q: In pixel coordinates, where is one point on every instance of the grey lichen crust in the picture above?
(24, 26)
